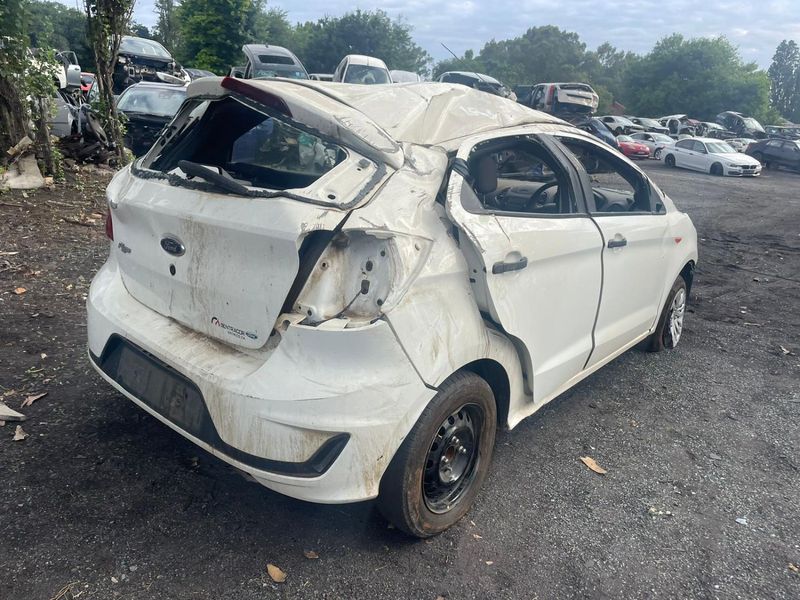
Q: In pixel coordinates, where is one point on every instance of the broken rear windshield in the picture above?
(254, 148)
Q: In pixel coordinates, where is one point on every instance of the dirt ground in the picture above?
(700, 444)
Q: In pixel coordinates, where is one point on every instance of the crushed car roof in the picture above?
(428, 114)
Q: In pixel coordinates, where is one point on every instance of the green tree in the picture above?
(322, 44)
(53, 25)
(269, 26)
(107, 22)
(700, 77)
(784, 74)
(167, 25)
(212, 33)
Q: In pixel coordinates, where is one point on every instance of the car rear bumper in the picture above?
(316, 416)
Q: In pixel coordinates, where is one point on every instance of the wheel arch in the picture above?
(687, 272)
(494, 373)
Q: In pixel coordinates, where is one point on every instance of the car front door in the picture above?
(622, 204)
(533, 251)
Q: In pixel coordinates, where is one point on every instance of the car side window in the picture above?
(617, 187)
(684, 144)
(518, 176)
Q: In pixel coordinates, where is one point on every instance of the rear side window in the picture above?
(617, 187)
(259, 150)
(365, 74)
(275, 59)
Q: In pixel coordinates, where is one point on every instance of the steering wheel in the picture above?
(538, 195)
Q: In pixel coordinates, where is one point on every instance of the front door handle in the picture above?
(504, 267)
(618, 242)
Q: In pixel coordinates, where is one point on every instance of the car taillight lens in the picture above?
(109, 226)
(360, 275)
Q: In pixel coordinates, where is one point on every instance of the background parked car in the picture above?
(478, 81)
(741, 125)
(147, 108)
(562, 98)
(649, 124)
(714, 130)
(620, 125)
(360, 69)
(198, 73)
(740, 144)
(710, 156)
(632, 148)
(679, 124)
(87, 79)
(141, 59)
(655, 142)
(776, 153)
(598, 129)
(264, 60)
(790, 132)
(404, 76)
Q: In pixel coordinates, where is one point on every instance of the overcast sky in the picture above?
(756, 26)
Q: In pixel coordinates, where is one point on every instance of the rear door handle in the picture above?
(504, 267)
(618, 242)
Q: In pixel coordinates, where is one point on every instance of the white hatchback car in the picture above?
(345, 294)
(710, 156)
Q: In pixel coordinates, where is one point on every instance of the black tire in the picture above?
(663, 338)
(716, 169)
(669, 160)
(657, 154)
(413, 496)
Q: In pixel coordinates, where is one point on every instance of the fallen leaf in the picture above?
(440, 598)
(43, 355)
(490, 562)
(19, 434)
(477, 537)
(6, 253)
(31, 399)
(310, 554)
(9, 414)
(785, 351)
(592, 464)
(19, 291)
(741, 520)
(275, 573)
(794, 568)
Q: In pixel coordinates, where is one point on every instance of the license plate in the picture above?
(160, 389)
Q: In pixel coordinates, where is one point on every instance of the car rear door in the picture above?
(537, 276)
(622, 204)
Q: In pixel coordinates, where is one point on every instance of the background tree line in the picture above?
(700, 77)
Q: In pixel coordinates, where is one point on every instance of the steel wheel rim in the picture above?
(676, 313)
(452, 459)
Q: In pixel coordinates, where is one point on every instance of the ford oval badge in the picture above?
(173, 246)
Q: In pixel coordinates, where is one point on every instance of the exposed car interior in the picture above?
(515, 176)
(616, 185)
(250, 147)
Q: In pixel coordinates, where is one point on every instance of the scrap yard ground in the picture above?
(700, 444)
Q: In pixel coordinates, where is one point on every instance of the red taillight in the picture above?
(550, 94)
(109, 226)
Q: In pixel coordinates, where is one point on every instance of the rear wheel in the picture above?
(670, 324)
(657, 154)
(437, 472)
(670, 160)
(716, 169)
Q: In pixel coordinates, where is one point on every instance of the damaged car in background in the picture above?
(141, 59)
(344, 294)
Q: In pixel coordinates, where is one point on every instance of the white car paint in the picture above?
(371, 70)
(281, 383)
(706, 154)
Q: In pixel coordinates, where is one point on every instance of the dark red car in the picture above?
(631, 148)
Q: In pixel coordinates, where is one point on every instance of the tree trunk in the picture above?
(12, 117)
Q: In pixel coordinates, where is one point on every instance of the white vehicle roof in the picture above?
(370, 61)
(382, 117)
(707, 140)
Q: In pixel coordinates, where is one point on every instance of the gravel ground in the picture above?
(104, 502)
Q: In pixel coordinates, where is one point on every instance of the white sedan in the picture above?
(711, 156)
(353, 316)
(656, 142)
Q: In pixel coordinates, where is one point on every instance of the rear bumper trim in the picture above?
(202, 427)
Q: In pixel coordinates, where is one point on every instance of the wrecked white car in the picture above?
(343, 291)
